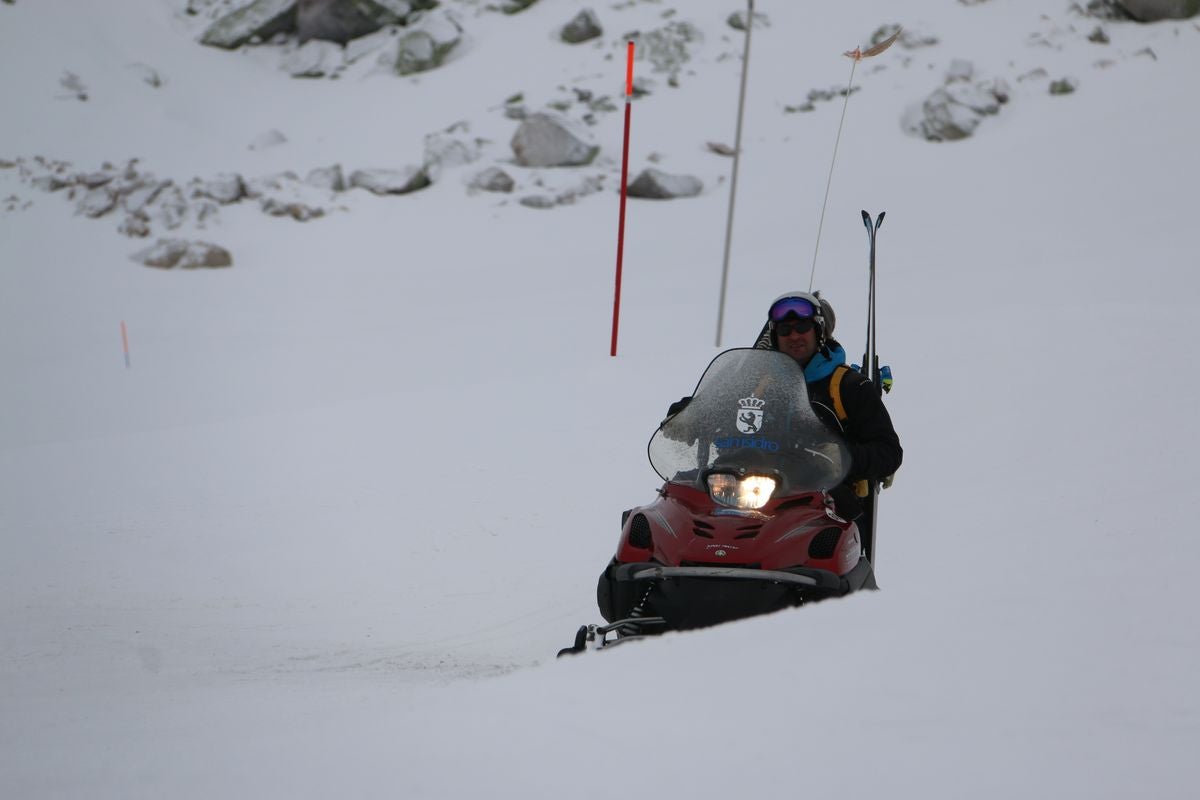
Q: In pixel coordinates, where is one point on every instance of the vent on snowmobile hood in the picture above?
(639, 532)
(824, 544)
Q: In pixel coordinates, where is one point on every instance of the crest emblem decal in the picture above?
(750, 414)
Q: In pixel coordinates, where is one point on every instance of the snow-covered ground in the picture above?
(325, 534)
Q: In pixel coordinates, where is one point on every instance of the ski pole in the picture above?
(737, 154)
(624, 180)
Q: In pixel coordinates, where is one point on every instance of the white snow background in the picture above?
(325, 536)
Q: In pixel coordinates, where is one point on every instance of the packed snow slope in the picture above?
(325, 534)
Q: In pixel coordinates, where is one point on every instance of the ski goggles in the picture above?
(791, 305)
(783, 329)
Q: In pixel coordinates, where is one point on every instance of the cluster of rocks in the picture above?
(324, 37)
(327, 20)
(819, 96)
(546, 139)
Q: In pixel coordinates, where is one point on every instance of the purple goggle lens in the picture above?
(791, 305)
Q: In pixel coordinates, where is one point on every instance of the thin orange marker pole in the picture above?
(125, 343)
(624, 179)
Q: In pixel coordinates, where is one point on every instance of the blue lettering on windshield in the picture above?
(747, 441)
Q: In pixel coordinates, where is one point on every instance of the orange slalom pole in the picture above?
(624, 180)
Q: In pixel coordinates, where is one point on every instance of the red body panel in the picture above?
(688, 528)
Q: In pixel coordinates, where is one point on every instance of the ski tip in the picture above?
(866, 218)
(879, 221)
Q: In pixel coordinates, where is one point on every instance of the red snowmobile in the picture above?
(743, 525)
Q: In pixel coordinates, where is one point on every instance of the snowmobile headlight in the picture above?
(752, 491)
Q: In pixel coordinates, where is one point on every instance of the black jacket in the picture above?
(874, 446)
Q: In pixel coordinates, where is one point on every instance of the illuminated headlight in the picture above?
(753, 491)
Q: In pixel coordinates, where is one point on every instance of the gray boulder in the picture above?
(260, 19)
(549, 140)
(1155, 10)
(342, 20)
(516, 6)
(653, 184)
(1064, 86)
(583, 27)
(390, 181)
(170, 253)
(737, 20)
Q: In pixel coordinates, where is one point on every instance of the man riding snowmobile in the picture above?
(800, 324)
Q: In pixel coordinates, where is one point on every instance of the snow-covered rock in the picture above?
(538, 201)
(169, 207)
(493, 179)
(444, 150)
(299, 211)
(97, 202)
(225, 188)
(50, 182)
(284, 194)
(135, 225)
(427, 46)
(261, 19)
(955, 110)
(328, 178)
(136, 201)
(169, 253)
(550, 140)
(390, 181)
(582, 28)
(653, 184)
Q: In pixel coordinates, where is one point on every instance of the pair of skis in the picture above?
(871, 370)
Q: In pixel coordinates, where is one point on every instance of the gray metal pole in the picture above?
(737, 154)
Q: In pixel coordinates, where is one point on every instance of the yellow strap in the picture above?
(835, 391)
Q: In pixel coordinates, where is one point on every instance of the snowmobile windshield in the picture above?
(750, 415)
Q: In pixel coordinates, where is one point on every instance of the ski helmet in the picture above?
(802, 305)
